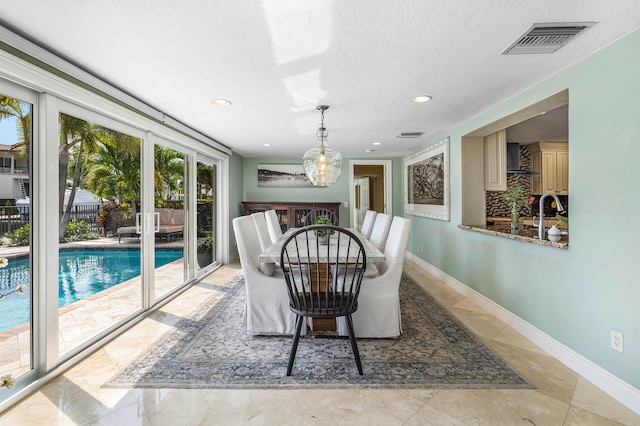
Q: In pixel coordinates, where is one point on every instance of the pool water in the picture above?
(81, 273)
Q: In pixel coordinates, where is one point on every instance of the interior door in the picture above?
(379, 173)
(362, 200)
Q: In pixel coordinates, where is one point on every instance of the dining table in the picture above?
(272, 254)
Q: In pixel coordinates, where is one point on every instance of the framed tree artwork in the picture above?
(426, 177)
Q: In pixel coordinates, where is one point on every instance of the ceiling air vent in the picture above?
(410, 135)
(546, 38)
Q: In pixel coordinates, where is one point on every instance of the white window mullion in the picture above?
(46, 225)
(191, 217)
(222, 210)
(147, 237)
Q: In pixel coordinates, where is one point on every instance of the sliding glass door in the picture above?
(170, 217)
(16, 210)
(206, 194)
(101, 218)
(100, 226)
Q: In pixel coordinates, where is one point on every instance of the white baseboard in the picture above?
(614, 386)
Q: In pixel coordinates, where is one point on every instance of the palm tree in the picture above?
(115, 168)
(206, 180)
(10, 107)
(78, 138)
(169, 171)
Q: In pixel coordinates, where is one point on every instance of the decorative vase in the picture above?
(323, 239)
(515, 216)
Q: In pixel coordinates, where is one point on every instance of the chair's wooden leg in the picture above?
(354, 345)
(294, 345)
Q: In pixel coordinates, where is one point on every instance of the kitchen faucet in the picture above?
(559, 208)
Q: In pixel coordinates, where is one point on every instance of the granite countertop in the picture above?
(525, 233)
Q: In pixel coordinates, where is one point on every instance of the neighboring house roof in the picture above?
(82, 198)
(8, 148)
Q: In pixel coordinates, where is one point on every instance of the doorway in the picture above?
(369, 189)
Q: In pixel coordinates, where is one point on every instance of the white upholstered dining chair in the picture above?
(367, 223)
(262, 229)
(267, 305)
(378, 313)
(380, 230)
(273, 225)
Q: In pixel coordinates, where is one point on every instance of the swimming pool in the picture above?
(81, 273)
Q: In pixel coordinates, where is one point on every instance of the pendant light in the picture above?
(322, 164)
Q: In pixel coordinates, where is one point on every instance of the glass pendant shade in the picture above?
(322, 165)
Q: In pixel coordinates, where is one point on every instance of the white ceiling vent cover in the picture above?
(546, 38)
(409, 135)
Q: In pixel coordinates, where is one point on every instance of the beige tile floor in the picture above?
(561, 397)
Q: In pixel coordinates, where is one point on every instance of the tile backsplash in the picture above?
(498, 207)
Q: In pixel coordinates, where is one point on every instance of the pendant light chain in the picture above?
(323, 130)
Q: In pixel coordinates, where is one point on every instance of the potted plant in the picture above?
(323, 234)
(516, 198)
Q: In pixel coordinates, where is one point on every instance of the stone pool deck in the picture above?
(88, 317)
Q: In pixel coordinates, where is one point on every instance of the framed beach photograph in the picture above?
(426, 177)
(282, 175)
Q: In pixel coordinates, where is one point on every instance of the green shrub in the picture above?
(77, 231)
(20, 236)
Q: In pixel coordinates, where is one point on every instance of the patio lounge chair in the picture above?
(171, 225)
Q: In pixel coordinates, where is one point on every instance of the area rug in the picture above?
(210, 349)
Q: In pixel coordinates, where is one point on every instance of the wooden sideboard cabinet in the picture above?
(290, 214)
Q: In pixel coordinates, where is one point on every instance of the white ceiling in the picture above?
(277, 59)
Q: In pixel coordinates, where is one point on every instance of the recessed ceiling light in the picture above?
(370, 150)
(376, 143)
(221, 102)
(266, 144)
(421, 98)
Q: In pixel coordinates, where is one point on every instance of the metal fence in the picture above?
(13, 217)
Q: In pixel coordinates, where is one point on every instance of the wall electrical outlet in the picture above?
(617, 342)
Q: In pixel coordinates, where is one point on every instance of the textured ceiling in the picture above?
(277, 59)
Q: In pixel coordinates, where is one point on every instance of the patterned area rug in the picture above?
(210, 349)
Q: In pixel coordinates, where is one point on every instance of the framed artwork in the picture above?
(282, 175)
(426, 177)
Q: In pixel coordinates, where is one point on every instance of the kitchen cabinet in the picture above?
(550, 164)
(495, 161)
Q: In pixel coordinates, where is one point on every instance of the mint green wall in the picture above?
(339, 192)
(575, 295)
